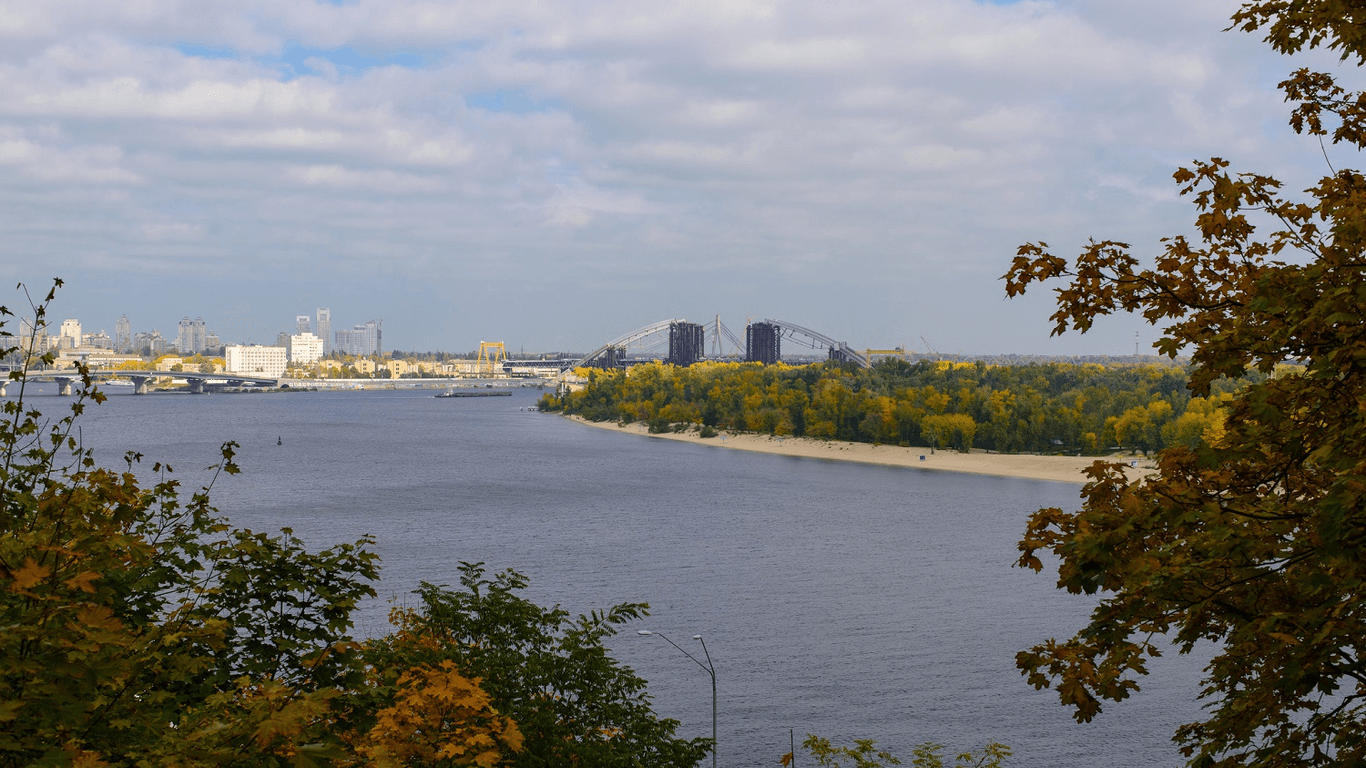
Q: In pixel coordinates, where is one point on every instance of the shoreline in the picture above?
(1061, 469)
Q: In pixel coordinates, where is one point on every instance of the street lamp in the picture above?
(708, 668)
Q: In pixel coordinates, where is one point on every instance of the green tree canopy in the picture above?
(1253, 540)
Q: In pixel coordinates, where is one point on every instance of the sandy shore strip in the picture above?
(1064, 469)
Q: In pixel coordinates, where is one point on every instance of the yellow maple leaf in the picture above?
(82, 581)
(98, 617)
(30, 574)
(85, 759)
(9, 710)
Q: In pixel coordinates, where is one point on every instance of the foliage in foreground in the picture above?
(572, 702)
(1253, 541)
(865, 754)
(139, 630)
(1039, 408)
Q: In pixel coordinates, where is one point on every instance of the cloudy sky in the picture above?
(554, 174)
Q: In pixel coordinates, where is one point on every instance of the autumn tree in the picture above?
(439, 718)
(953, 430)
(551, 674)
(1252, 540)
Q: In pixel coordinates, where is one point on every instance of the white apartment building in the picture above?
(305, 348)
(71, 333)
(255, 360)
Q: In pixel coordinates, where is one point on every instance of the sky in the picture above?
(557, 174)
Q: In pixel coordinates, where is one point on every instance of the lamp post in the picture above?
(708, 668)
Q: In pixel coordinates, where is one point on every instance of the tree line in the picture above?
(1086, 409)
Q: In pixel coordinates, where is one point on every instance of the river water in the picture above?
(840, 599)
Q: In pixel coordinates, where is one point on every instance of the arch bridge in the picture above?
(684, 342)
(815, 340)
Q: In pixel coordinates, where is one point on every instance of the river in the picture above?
(846, 600)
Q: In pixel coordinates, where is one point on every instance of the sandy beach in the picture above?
(1065, 469)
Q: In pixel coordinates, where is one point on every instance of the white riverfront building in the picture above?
(255, 360)
(305, 348)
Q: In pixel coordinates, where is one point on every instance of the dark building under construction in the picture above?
(687, 343)
(763, 343)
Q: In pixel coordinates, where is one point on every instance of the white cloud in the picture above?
(790, 149)
(172, 231)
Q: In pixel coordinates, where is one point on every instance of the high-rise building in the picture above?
(343, 342)
(31, 337)
(365, 339)
(10, 348)
(374, 336)
(151, 344)
(123, 335)
(324, 329)
(71, 333)
(302, 324)
(211, 341)
(190, 339)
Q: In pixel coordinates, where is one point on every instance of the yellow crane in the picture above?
(491, 357)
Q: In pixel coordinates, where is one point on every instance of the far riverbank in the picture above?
(1063, 469)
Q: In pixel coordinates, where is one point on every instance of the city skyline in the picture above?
(193, 336)
(563, 176)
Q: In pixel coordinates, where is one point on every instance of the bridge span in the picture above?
(685, 343)
(199, 383)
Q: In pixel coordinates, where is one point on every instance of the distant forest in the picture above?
(1045, 408)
